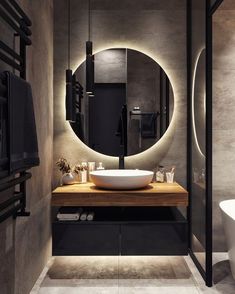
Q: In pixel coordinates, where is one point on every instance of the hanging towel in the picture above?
(23, 136)
(148, 125)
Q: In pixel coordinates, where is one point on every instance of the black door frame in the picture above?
(210, 9)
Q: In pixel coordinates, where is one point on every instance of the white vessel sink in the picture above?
(121, 179)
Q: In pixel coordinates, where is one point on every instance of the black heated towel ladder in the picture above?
(13, 16)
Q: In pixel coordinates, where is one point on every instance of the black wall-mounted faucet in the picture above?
(122, 132)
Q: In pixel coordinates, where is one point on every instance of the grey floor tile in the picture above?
(133, 275)
(78, 290)
(156, 282)
(108, 283)
(158, 290)
(218, 289)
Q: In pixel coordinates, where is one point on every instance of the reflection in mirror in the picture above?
(124, 77)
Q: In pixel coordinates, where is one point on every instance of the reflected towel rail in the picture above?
(143, 113)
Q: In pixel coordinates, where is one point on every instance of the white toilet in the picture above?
(228, 216)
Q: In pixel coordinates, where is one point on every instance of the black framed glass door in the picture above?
(200, 135)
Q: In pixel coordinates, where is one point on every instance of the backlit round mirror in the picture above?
(124, 78)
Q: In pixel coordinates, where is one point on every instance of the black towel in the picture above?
(23, 136)
(148, 125)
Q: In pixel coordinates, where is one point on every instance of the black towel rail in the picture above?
(21, 12)
(11, 183)
(9, 51)
(12, 14)
(10, 62)
(17, 196)
(16, 17)
(13, 211)
(15, 205)
(14, 26)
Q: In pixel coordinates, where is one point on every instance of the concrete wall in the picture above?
(25, 243)
(143, 90)
(110, 66)
(158, 29)
(223, 114)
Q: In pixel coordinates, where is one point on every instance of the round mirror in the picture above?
(132, 105)
(199, 110)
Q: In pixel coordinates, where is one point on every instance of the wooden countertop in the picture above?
(155, 194)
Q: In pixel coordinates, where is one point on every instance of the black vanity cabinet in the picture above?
(143, 228)
(73, 238)
(154, 239)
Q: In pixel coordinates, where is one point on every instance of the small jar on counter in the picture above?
(100, 166)
(160, 174)
(91, 168)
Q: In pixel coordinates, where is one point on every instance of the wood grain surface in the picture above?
(155, 194)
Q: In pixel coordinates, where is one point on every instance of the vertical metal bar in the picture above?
(167, 102)
(189, 116)
(1, 131)
(23, 56)
(161, 102)
(23, 76)
(79, 102)
(208, 145)
(8, 132)
(23, 199)
(125, 129)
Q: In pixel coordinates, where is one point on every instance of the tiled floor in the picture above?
(131, 275)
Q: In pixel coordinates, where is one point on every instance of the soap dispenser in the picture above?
(100, 166)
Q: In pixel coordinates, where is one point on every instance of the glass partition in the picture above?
(199, 49)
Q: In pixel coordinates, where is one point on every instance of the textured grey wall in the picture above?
(223, 110)
(25, 244)
(110, 66)
(158, 29)
(143, 90)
